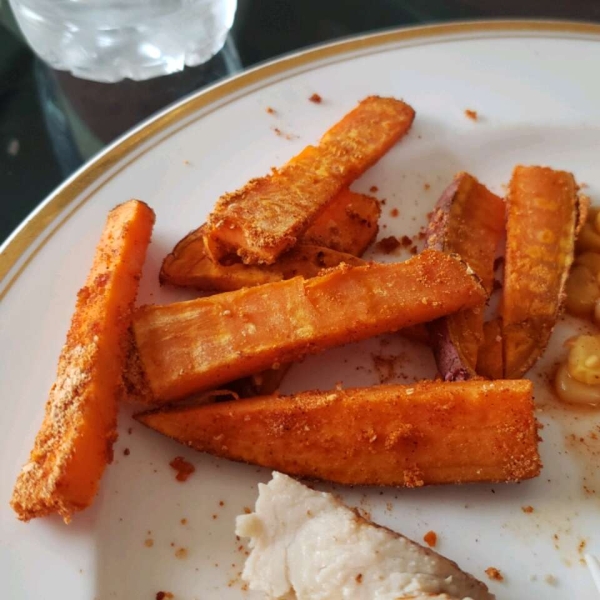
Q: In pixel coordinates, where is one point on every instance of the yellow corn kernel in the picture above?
(584, 359)
(574, 392)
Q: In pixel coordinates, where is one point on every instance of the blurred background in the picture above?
(51, 121)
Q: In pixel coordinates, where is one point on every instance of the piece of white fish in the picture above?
(307, 545)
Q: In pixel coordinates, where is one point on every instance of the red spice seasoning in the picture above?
(430, 538)
(316, 98)
(494, 574)
(183, 467)
(388, 244)
(471, 114)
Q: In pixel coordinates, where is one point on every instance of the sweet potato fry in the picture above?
(74, 443)
(468, 220)
(400, 435)
(266, 217)
(192, 346)
(489, 358)
(348, 225)
(542, 207)
(190, 266)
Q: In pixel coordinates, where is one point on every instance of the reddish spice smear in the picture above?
(316, 98)
(471, 114)
(394, 212)
(373, 189)
(494, 574)
(183, 467)
(527, 509)
(270, 110)
(430, 538)
(406, 241)
(126, 452)
(388, 244)
(163, 595)
(426, 186)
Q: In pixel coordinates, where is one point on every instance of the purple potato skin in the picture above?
(447, 357)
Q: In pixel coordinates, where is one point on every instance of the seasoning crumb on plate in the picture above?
(183, 467)
(164, 595)
(373, 189)
(494, 574)
(527, 509)
(149, 543)
(181, 553)
(471, 114)
(316, 99)
(387, 245)
(430, 538)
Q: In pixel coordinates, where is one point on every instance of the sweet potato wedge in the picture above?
(190, 266)
(74, 443)
(266, 217)
(348, 225)
(542, 217)
(192, 346)
(468, 220)
(399, 435)
(489, 358)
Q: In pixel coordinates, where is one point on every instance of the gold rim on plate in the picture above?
(65, 196)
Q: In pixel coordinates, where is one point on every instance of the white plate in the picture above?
(538, 97)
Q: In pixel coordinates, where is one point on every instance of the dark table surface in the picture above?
(36, 140)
